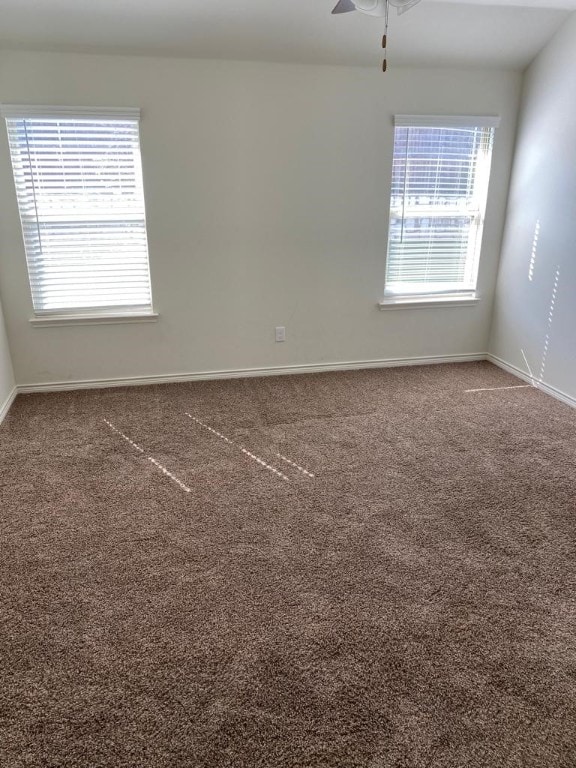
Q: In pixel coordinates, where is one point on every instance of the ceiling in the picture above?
(494, 33)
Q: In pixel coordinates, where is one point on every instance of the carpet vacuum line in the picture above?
(150, 458)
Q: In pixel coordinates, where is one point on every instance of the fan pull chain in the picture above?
(385, 38)
(384, 63)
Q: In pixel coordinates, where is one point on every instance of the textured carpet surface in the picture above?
(372, 569)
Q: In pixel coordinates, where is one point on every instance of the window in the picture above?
(78, 179)
(440, 175)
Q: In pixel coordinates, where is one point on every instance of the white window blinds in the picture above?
(78, 181)
(440, 175)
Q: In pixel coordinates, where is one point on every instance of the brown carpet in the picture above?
(410, 605)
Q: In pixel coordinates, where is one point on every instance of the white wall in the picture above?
(534, 324)
(267, 194)
(7, 382)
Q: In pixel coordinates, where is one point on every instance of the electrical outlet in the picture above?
(280, 333)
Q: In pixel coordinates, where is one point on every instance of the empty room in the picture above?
(288, 384)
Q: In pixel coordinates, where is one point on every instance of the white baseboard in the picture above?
(548, 388)
(60, 386)
(5, 406)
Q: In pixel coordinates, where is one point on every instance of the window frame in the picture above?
(438, 297)
(100, 313)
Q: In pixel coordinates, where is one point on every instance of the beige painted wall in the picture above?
(534, 324)
(6, 372)
(267, 188)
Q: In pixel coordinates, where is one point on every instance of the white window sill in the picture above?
(111, 319)
(428, 302)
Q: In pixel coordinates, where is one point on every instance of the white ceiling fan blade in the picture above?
(404, 5)
(344, 6)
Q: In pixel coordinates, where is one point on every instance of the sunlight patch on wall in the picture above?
(534, 251)
(527, 364)
(550, 321)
